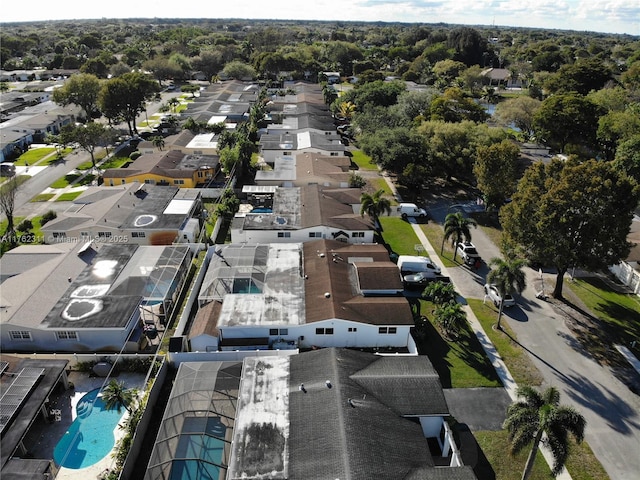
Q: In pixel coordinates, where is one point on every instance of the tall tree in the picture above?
(496, 171)
(82, 90)
(124, 98)
(89, 137)
(508, 277)
(540, 419)
(116, 395)
(374, 205)
(567, 118)
(457, 228)
(566, 214)
(518, 111)
(627, 157)
(8, 192)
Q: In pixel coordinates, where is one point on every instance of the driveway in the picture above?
(612, 410)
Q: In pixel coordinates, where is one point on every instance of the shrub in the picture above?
(25, 226)
(47, 217)
(135, 155)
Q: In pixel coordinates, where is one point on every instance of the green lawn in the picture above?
(115, 162)
(618, 312)
(363, 161)
(399, 235)
(34, 155)
(70, 178)
(43, 197)
(32, 236)
(435, 235)
(460, 363)
(522, 369)
(68, 197)
(381, 184)
(581, 465)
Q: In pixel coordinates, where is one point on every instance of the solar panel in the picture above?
(16, 394)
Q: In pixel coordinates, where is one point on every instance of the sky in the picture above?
(609, 16)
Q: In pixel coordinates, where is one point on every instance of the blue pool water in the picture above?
(90, 437)
(200, 450)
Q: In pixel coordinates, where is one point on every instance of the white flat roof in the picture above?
(203, 140)
(178, 207)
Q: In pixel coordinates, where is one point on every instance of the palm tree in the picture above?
(440, 292)
(116, 395)
(457, 227)
(374, 205)
(347, 109)
(450, 317)
(158, 141)
(537, 414)
(507, 276)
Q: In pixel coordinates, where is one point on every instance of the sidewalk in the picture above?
(490, 350)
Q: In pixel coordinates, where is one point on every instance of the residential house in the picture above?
(300, 214)
(291, 295)
(307, 169)
(132, 213)
(501, 77)
(26, 385)
(628, 270)
(228, 102)
(171, 167)
(285, 144)
(92, 297)
(33, 125)
(329, 413)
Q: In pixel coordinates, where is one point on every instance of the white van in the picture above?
(411, 210)
(414, 264)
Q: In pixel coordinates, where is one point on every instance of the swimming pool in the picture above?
(90, 437)
(200, 450)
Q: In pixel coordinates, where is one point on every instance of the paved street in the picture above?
(612, 411)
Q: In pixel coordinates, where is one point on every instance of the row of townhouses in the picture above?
(292, 352)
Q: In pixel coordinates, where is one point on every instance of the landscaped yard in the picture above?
(70, 178)
(362, 160)
(619, 315)
(522, 369)
(582, 464)
(399, 235)
(460, 363)
(34, 155)
(69, 196)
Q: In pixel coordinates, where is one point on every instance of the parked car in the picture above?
(411, 210)
(493, 294)
(469, 254)
(418, 280)
(414, 264)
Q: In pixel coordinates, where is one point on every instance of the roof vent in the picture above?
(327, 295)
(328, 384)
(302, 388)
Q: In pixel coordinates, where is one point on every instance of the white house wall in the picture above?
(43, 340)
(345, 334)
(431, 426)
(296, 236)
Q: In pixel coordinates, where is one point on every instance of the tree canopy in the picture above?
(82, 90)
(571, 215)
(496, 171)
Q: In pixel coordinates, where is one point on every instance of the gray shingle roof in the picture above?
(351, 430)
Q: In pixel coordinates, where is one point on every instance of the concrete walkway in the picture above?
(490, 350)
